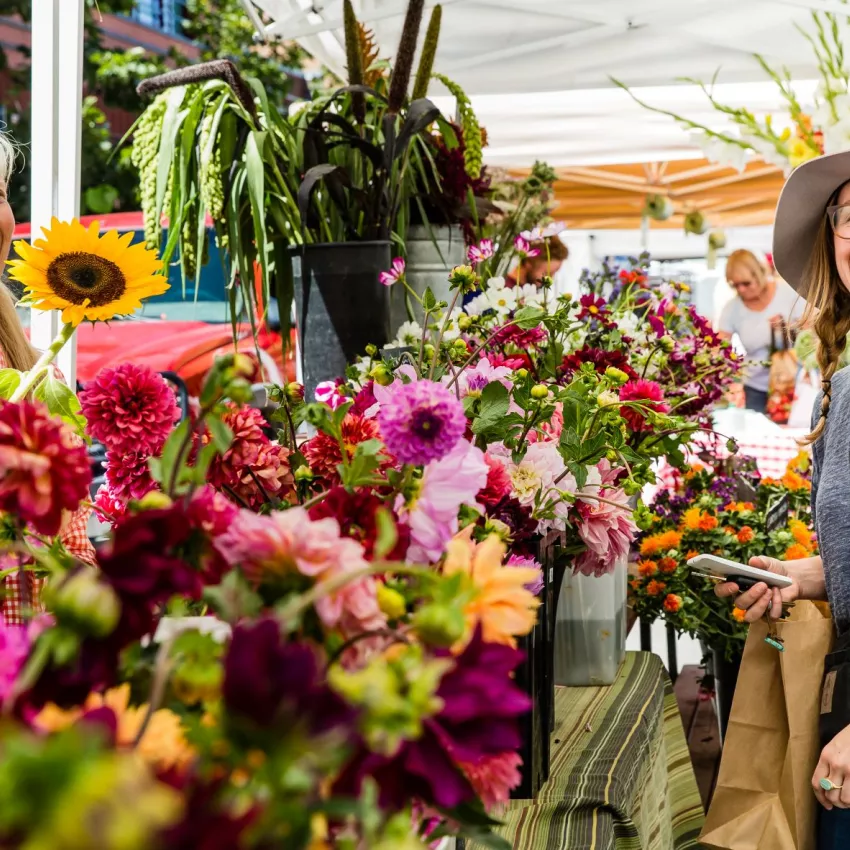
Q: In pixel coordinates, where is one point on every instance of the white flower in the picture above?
(409, 334)
(503, 301)
(530, 295)
(722, 152)
(628, 323)
(607, 398)
(452, 330)
(478, 305)
(496, 283)
(363, 367)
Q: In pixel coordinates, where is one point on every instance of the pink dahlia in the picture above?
(607, 531)
(650, 397)
(494, 777)
(44, 467)
(521, 338)
(423, 422)
(523, 561)
(446, 484)
(129, 408)
(14, 649)
(269, 548)
(498, 484)
(211, 514)
(109, 507)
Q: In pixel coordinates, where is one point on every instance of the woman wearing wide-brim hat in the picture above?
(811, 251)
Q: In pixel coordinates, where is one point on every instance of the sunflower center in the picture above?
(78, 277)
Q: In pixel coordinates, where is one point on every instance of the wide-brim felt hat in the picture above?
(800, 211)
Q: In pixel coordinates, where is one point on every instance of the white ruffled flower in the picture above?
(503, 301)
(409, 334)
(478, 305)
(628, 323)
(530, 295)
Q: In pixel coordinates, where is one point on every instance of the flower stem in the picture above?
(442, 333)
(31, 378)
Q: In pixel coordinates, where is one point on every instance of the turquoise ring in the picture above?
(829, 785)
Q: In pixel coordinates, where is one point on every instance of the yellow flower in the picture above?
(691, 519)
(502, 604)
(800, 151)
(738, 614)
(163, 745)
(87, 276)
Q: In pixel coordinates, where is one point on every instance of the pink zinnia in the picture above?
(423, 422)
(494, 777)
(44, 466)
(446, 484)
(650, 396)
(607, 531)
(129, 408)
(14, 649)
(395, 274)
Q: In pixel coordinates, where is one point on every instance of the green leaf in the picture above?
(61, 402)
(165, 471)
(495, 401)
(579, 472)
(528, 317)
(170, 127)
(429, 302)
(256, 175)
(222, 435)
(387, 535)
(10, 380)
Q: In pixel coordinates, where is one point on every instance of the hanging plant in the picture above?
(695, 222)
(658, 207)
(716, 242)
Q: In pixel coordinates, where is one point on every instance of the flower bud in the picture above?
(496, 526)
(380, 374)
(391, 602)
(616, 376)
(243, 365)
(87, 602)
(155, 501)
(546, 281)
(294, 392)
(667, 343)
(460, 346)
(371, 350)
(464, 323)
(463, 278)
(429, 350)
(304, 473)
(540, 391)
(631, 488)
(439, 625)
(522, 374)
(194, 682)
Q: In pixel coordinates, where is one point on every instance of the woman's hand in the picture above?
(834, 765)
(807, 583)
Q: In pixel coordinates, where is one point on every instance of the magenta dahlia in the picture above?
(648, 395)
(423, 422)
(44, 467)
(129, 408)
(127, 475)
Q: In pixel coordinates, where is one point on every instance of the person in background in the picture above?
(760, 304)
(17, 353)
(533, 269)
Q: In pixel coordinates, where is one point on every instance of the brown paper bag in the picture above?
(764, 799)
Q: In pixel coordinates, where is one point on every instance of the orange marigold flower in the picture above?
(691, 519)
(668, 565)
(794, 481)
(730, 529)
(672, 603)
(691, 554)
(634, 584)
(655, 588)
(801, 532)
(771, 482)
(796, 551)
(708, 522)
(746, 535)
(738, 614)
(647, 568)
(670, 540)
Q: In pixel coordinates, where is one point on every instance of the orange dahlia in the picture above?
(746, 535)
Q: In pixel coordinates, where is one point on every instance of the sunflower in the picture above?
(87, 276)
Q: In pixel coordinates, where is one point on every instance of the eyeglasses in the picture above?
(839, 218)
(745, 284)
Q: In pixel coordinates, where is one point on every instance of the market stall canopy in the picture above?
(539, 73)
(613, 197)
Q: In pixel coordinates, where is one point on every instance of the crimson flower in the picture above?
(481, 705)
(324, 454)
(129, 408)
(592, 307)
(600, 359)
(520, 522)
(271, 682)
(650, 396)
(44, 468)
(498, 482)
(633, 276)
(127, 475)
(521, 338)
(146, 565)
(356, 514)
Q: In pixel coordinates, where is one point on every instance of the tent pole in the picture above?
(57, 82)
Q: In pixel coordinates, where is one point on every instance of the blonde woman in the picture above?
(812, 252)
(17, 353)
(761, 302)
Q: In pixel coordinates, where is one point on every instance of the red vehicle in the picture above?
(173, 333)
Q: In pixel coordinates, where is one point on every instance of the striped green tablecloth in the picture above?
(621, 776)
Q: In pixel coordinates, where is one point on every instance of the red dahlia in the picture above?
(323, 452)
(44, 467)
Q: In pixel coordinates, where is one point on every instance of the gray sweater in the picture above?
(831, 497)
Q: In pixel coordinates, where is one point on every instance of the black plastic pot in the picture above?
(341, 306)
(725, 673)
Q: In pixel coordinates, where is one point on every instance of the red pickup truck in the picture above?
(173, 333)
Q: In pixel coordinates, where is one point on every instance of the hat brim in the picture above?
(800, 211)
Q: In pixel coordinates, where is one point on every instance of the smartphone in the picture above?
(731, 570)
